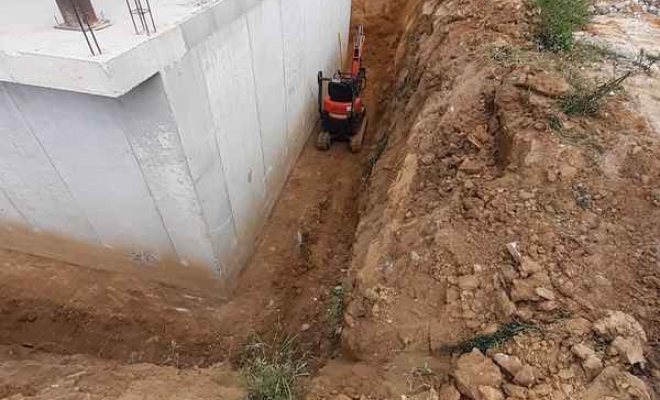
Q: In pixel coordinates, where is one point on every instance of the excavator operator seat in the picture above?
(340, 91)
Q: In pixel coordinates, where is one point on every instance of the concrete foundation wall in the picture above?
(186, 166)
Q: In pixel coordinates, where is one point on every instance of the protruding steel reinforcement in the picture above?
(68, 9)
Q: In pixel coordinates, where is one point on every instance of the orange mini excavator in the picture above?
(343, 114)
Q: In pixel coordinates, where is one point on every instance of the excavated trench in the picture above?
(378, 262)
(294, 284)
(288, 285)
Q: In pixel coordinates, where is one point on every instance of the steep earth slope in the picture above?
(495, 222)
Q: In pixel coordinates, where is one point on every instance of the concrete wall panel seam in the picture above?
(148, 188)
(12, 204)
(207, 230)
(187, 92)
(59, 174)
(256, 96)
(224, 174)
(286, 85)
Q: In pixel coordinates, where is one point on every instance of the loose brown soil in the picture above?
(468, 151)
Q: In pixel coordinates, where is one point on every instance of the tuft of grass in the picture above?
(555, 123)
(557, 20)
(272, 369)
(586, 100)
(484, 342)
(336, 311)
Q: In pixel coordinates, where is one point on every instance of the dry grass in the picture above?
(271, 369)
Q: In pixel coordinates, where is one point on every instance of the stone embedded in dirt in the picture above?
(468, 282)
(427, 159)
(615, 383)
(631, 349)
(471, 166)
(490, 393)
(566, 374)
(526, 376)
(578, 326)
(567, 171)
(602, 281)
(582, 351)
(525, 289)
(514, 391)
(629, 336)
(428, 8)
(591, 362)
(529, 267)
(341, 397)
(371, 294)
(525, 314)
(542, 390)
(510, 364)
(547, 85)
(449, 392)
(545, 293)
(504, 307)
(431, 394)
(509, 273)
(655, 197)
(591, 219)
(618, 323)
(549, 305)
(474, 370)
(490, 329)
(512, 248)
(592, 366)
(526, 194)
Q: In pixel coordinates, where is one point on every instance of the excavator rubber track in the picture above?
(358, 139)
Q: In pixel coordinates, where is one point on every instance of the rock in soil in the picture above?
(449, 392)
(474, 371)
(510, 364)
(618, 384)
(525, 377)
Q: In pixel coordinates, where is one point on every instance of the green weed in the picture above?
(586, 100)
(271, 369)
(555, 123)
(557, 20)
(484, 342)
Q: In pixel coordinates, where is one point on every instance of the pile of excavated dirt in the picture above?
(505, 249)
(27, 374)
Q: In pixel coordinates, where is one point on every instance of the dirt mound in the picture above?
(26, 374)
(495, 221)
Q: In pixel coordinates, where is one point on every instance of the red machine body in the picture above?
(342, 111)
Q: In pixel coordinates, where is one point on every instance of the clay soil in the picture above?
(468, 151)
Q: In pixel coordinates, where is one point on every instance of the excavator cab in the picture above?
(342, 112)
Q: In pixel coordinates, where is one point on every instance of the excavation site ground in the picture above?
(498, 237)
